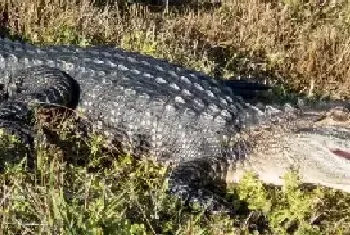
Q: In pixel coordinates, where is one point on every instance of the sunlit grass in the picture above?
(304, 46)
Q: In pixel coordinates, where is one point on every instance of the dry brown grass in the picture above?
(305, 46)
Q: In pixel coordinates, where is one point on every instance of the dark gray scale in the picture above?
(45, 85)
(34, 86)
(177, 91)
(38, 86)
(68, 56)
(118, 56)
(171, 127)
(154, 108)
(157, 65)
(93, 55)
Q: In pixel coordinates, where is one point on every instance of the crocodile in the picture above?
(200, 126)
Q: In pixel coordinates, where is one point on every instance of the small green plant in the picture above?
(295, 208)
(144, 42)
(292, 208)
(64, 33)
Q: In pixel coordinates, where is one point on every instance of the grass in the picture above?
(299, 45)
(303, 45)
(76, 187)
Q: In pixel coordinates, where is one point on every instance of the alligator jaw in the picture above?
(320, 152)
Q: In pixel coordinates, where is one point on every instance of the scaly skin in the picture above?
(172, 114)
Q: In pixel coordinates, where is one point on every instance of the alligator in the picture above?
(200, 126)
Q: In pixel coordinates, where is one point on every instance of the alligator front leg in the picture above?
(37, 86)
